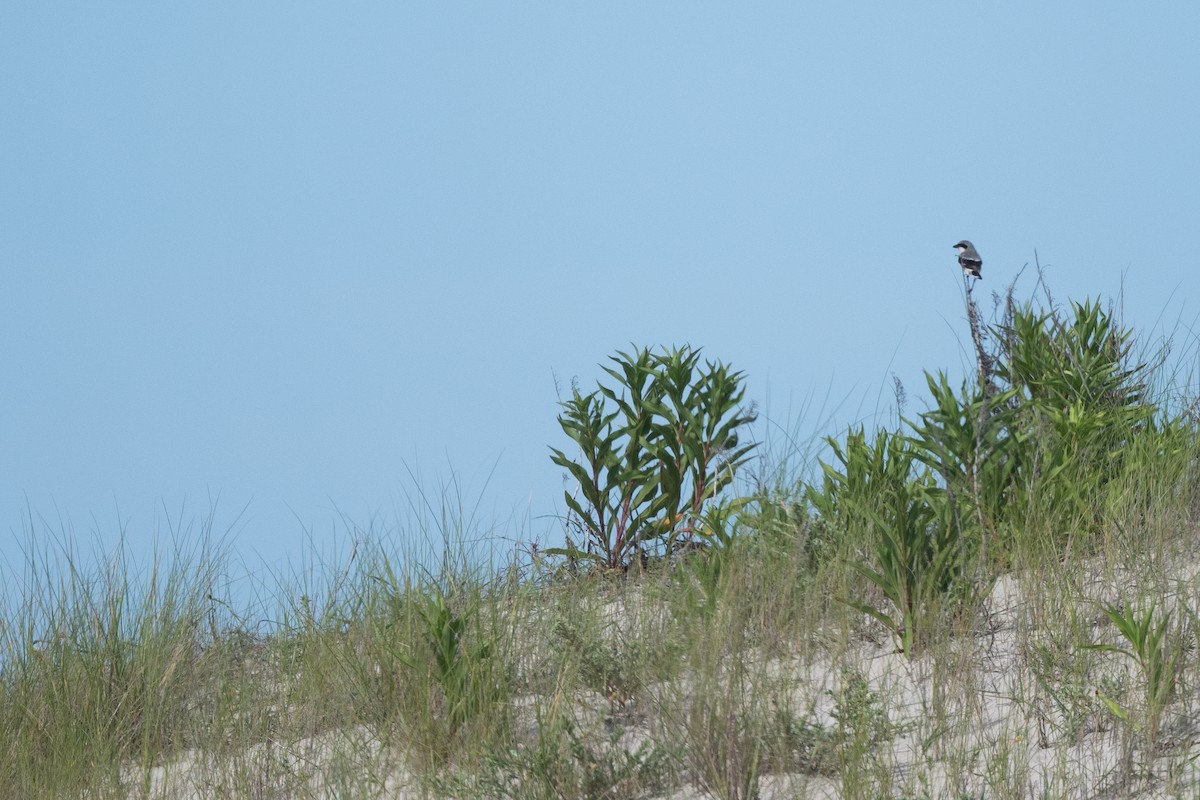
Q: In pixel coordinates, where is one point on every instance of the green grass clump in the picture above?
(103, 665)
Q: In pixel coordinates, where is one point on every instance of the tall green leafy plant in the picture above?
(1079, 404)
(915, 556)
(967, 439)
(1147, 646)
(655, 449)
(1046, 428)
(1080, 361)
(435, 669)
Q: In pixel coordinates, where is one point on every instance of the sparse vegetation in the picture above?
(972, 605)
(1147, 646)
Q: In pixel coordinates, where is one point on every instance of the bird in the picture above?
(969, 260)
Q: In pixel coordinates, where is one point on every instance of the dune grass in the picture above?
(995, 599)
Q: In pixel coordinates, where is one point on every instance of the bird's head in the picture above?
(964, 245)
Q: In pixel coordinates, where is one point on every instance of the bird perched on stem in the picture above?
(969, 260)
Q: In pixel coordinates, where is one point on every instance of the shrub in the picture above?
(649, 467)
(916, 556)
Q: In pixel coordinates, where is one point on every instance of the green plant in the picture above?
(610, 668)
(799, 745)
(734, 711)
(1056, 362)
(968, 440)
(1148, 648)
(860, 714)
(1064, 697)
(100, 665)
(648, 467)
(702, 573)
(568, 763)
(452, 658)
(1077, 407)
(862, 725)
(1044, 431)
(917, 556)
(454, 682)
(727, 730)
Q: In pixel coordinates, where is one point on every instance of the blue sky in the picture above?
(283, 254)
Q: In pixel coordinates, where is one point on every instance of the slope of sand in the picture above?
(992, 719)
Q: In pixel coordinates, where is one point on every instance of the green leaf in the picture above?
(1114, 707)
